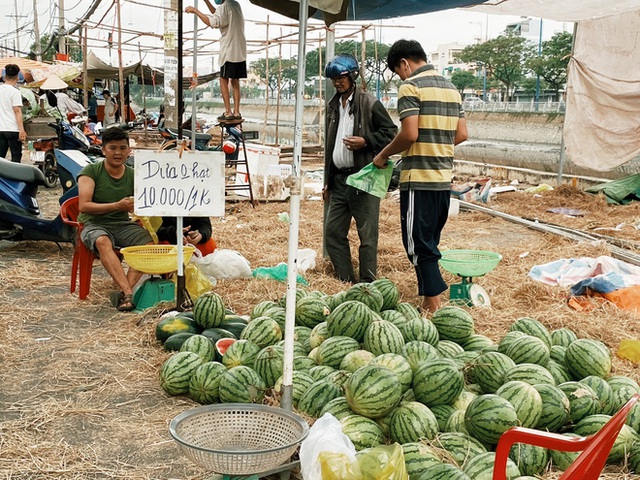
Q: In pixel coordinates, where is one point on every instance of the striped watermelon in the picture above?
(384, 424)
(442, 414)
(350, 319)
(463, 400)
(333, 350)
(625, 439)
(390, 292)
(317, 396)
(437, 382)
(634, 458)
(525, 399)
(208, 310)
(383, 337)
(418, 457)
(394, 317)
(583, 401)
(623, 389)
(530, 459)
(279, 315)
(489, 370)
(480, 467)
(262, 309)
(241, 352)
(311, 311)
(338, 407)
(563, 460)
(449, 349)
(479, 342)
(366, 293)
(263, 331)
(456, 423)
(318, 334)
(339, 377)
(298, 349)
(557, 354)
(558, 372)
(563, 337)
(453, 323)
(586, 357)
(399, 365)
(352, 361)
(532, 327)
(373, 391)
(320, 372)
(508, 339)
(421, 329)
(408, 310)
(412, 422)
(408, 396)
(201, 345)
(174, 342)
(633, 419)
(362, 431)
(466, 359)
(444, 471)
(555, 408)
(417, 352)
(205, 381)
(300, 294)
(460, 446)
(300, 383)
(488, 416)
(302, 335)
(269, 364)
(334, 300)
(530, 373)
(528, 349)
(241, 385)
(176, 372)
(169, 325)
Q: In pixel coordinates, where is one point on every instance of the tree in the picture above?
(504, 58)
(49, 46)
(288, 77)
(463, 79)
(551, 65)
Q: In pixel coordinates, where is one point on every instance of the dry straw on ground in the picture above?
(80, 397)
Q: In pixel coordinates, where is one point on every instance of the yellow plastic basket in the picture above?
(156, 259)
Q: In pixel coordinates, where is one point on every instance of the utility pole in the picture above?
(36, 31)
(15, 3)
(62, 48)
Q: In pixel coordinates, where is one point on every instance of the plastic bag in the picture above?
(372, 179)
(223, 263)
(326, 437)
(384, 462)
(629, 349)
(306, 259)
(151, 224)
(279, 272)
(195, 281)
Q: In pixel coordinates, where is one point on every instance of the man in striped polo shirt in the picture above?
(432, 122)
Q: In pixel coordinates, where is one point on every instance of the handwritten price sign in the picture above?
(167, 185)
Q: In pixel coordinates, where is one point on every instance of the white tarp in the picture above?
(561, 10)
(602, 124)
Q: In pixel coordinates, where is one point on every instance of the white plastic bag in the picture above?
(306, 259)
(223, 263)
(324, 436)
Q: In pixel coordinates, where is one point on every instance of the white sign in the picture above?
(167, 185)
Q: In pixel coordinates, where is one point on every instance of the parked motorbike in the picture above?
(232, 140)
(20, 217)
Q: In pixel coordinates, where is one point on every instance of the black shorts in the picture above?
(233, 70)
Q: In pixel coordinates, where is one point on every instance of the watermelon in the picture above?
(321, 372)
(269, 364)
(480, 467)
(532, 327)
(215, 334)
(205, 381)
(449, 349)
(528, 349)
(622, 446)
(421, 329)
(233, 327)
(168, 326)
(478, 342)
(373, 391)
(488, 416)
(334, 300)
(417, 352)
(176, 372)
(240, 352)
(463, 400)
(399, 365)
(418, 457)
(453, 323)
(300, 294)
(489, 370)
(339, 377)
(634, 458)
(530, 459)
(563, 460)
(333, 350)
(444, 471)
(241, 385)
(279, 315)
(303, 364)
(394, 317)
(456, 422)
(383, 337)
(311, 311)
(318, 334)
(352, 361)
(437, 382)
(460, 446)
(366, 293)
(300, 383)
(338, 407)
(442, 414)
(525, 399)
(508, 339)
(389, 291)
(583, 401)
(466, 359)
(558, 372)
(175, 341)
(351, 319)
(531, 373)
(302, 335)
(263, 331)
(558, 353)
(317, 396)
(411, 422)
(408, 310)
(201, 345)
(362, 431)
(263, 308)
(555, 408)
(208, 310)
(623, 389)
(586, 357)
(563, 337)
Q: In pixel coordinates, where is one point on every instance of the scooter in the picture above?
(170, 138)
(20, 217)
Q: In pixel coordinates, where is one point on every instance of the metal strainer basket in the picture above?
(238, 438)
(469, 263)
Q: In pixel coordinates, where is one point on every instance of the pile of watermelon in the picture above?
(435, 386)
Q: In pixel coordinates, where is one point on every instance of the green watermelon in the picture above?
(168, 326)
(311, 311)
(389, 291)
(366, 293)
(558, 372)
(420, 329)
(321, 372)
(460, 446)
(622, 446)
(528, 349)
(442, 414)
(453, 323)
(525, 399)
(555, 408)
(563, 460)
(558, 353)
(208, 310)
(269, 364)
(489, 370)
(300, 383)
(478, 342)
(339, 377)
(437, 382)
(205, 381)
(263, 331)
(176, 372)
(444, 471)
(201, 345)
(241, 385)
(383, 337)
(449, 349)
(263, 308)
(417, 352)
(563, 337)
(480, 467)
(530, 373)
(304, 363)
(362, 431)
(586, 357)
(508, 339)
(240, 352)
(317, 396)
(411, 422)
(532, 327)
(175, 341)
(338, 407)
(456, 422)
(333, 350)
(488, 416)
(318, 334)
(530, 459)
(408, 310)
(352, 361)
(373, 391)
(583, 401)
(399, 365)
(418, 457)
(350, 319)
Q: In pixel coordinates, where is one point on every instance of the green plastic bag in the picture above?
(373, 180)
(279, 272)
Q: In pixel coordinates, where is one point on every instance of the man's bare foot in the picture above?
(431, 304)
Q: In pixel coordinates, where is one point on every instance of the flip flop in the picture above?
(126, 303)
(225, 117)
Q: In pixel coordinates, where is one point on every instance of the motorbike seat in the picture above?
(200, 137)
(21, 173)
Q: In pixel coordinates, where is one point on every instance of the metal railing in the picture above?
(525, 107)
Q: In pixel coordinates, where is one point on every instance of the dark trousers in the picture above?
(423, 214)
(345, 203)
(11, 140)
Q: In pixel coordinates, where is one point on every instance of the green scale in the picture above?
(468, 264)
(152, 291)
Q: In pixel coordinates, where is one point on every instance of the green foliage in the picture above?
(48, 54)
(280, 69)
(463, 79)
(553, 60)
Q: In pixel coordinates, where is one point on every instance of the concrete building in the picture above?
(444, 59)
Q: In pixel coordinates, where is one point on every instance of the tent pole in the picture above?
(277, 134)
(294, 214)
(331, 51)
(120, 69)
(562, 154)
(194, 79)
(266, 70)
(85, 80)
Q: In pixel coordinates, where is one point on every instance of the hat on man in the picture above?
(54, 82)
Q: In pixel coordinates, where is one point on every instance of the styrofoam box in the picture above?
(267, 176)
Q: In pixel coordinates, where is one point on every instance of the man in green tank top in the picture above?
(105, 197)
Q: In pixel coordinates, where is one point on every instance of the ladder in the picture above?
(234, 159)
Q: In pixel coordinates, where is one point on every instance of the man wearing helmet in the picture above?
(229, 19)
(432, 123)
(357, 127)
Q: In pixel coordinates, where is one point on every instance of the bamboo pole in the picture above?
(144, 95)
(85, 80)
(266, 103)
(120, 69)
(320, 102)
(363, 57)
(277, 139)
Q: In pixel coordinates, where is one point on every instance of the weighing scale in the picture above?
(468, 264)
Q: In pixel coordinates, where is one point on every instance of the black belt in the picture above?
(346, 171)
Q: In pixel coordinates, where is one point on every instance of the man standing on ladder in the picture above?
(229, 19)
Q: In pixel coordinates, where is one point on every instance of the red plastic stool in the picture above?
(595, 449)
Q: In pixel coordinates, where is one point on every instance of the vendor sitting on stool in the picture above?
(196, 231)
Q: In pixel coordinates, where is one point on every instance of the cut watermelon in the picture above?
(223, 344)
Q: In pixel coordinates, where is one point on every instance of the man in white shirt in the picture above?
(12, 132)
(229, 19)
(67, 105)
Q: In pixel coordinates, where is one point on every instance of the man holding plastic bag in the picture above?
(357, 128)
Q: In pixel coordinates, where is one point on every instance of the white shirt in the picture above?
(9, 97)
(342, 157)
(230, 20)
(68, 105)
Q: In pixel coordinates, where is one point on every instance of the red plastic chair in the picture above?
(82, 265)
(595, 449)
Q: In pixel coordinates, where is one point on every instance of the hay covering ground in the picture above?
(80, 396)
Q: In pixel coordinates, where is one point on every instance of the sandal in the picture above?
(125, 304)
(225, 117)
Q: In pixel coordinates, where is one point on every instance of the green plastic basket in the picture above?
(469, 263)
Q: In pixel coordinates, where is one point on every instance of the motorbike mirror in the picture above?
(52, 99)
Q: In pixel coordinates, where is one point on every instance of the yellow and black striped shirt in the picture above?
(428, 163)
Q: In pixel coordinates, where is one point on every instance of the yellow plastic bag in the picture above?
(629, 349)
(151, 224)
(338, 466)
(384, 462)
(195, 281)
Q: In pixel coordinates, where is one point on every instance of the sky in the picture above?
(431, 30)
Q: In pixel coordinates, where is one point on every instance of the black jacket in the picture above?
(167, 232)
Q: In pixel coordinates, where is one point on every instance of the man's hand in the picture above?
(354, 143)
(325, 193)
(380, 161)
(22, 135)
(194, 237)
(125, 205)
(190, 9)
